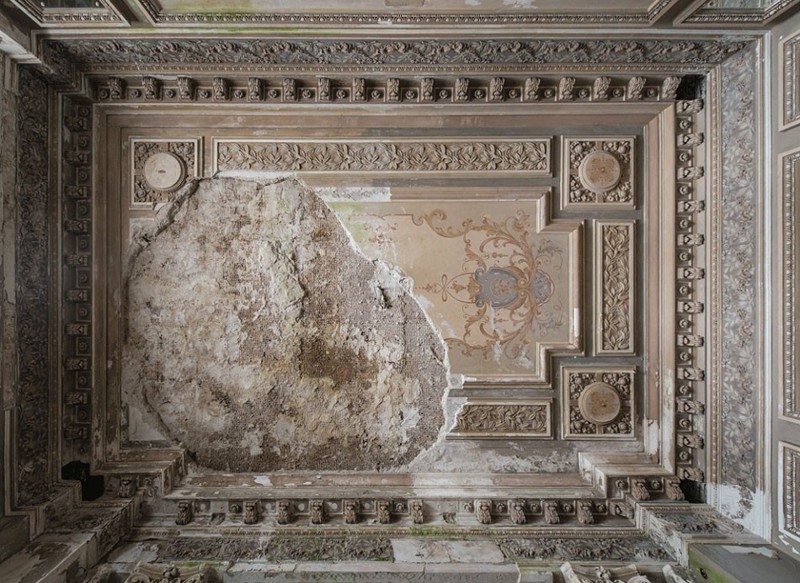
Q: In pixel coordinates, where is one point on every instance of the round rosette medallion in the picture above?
(600, 171)
(164, 171)
(600, 403)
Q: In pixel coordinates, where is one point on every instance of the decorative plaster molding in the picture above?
(160, 167)
(716, 13)
(33, 293)
(158, 16)
(598, 173)
(614, 304)
(76, 177)
(690, 241)
(227, 54)
(504, 419)
(587, 549)
(598, 403)
(789, 77)
(788, 485)
(103, 13)
(240, 88)
(790, 168)
(530, 156)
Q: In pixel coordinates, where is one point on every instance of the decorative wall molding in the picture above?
(441, 89)
(587, 549)
(598, 173)
(504, 419)
(690, 241)
(103, 13)
(788, 485)
(33, 294)
(160, 167)
(598, 403)
(714, 12)
(430, 56)
(789, 80)
(790, 170)
(614, 271)
(158, 16)
(530, 156)
(77, 202)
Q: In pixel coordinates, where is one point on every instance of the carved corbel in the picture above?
(351, 510)
(669, 87)
(251, 512)
(383, 510)
(496, 86)
(565, 88)
(283, 510)
(116, 88)
(551, 512)
(289, 87)
(317, 508)
(516, 510)
(185, 512)
(634, 89)
(426, 89)
(600, 88)
(152, 88)
(530, 91)
(584, 511)
(255, 89)
(483, 511)
(672, 488)
(186, 87)
(417, 512)
(359, 89)
(639, 490)
(461, 90)
(324, 89)
(221, 89)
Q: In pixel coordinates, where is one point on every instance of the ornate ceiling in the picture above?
(388, 14)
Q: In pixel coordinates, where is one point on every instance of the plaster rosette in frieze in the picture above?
(502, 286)
(160, 167)
(598, 173)
(598, 403)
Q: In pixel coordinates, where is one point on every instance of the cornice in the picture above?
(349, 55)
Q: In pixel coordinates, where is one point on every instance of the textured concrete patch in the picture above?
(259, 337)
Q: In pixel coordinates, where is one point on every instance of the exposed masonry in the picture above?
(303, 353)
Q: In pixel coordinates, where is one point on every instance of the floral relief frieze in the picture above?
(532, 156)
(506, 418)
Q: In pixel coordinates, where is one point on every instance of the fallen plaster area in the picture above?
(262, 339)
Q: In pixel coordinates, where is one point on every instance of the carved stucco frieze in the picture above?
(530, 156)
(319, 55)
(598, 172)
(154, 573)
(502, 419)
(161, 167)
(598, 403)
(601, 574)
(585, 549)
(614, 304)
(32, 295)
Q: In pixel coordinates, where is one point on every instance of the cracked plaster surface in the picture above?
(259, 337)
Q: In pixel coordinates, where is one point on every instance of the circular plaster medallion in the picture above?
(164, 171)
(599, 403)
(600, 171)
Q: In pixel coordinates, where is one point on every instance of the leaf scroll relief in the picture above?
(615, 334)
(371, 156)
(503, 419)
